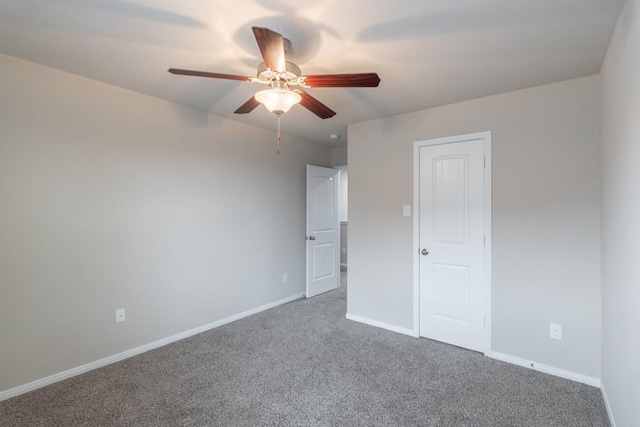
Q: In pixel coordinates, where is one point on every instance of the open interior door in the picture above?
(323, 230)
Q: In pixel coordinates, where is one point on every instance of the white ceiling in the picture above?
(427, 52)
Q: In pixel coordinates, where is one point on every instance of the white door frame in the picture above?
(486, 138)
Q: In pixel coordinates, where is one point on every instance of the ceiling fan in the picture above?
(285, 80)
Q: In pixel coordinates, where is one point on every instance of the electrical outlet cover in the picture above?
(555, 331)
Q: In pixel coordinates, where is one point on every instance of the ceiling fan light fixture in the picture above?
(278, 100)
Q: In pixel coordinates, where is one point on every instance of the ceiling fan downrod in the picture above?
(279, 135)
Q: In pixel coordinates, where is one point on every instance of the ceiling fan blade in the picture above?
(315, 106)
(207, 74)
(271, 47)
(248, 106)
(343, 80)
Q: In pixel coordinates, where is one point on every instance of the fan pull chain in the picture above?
(279, 136)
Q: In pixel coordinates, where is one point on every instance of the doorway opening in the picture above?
(344, 217)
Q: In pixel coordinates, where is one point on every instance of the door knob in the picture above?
(424, 252)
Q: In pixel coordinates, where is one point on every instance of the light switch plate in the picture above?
(406, 210)
(120, 315)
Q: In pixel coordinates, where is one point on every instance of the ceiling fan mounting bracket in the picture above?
(302, 82)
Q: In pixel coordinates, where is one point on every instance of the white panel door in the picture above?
(323, 230)
(451, 235)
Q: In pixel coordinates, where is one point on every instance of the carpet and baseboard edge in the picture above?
(612, 420)
(562, 373)
(33, 385)
(378, 324)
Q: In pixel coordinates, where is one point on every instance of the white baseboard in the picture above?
(377, 324)
(612, 420)
(33, 385)
(595, 382)
(573, 376)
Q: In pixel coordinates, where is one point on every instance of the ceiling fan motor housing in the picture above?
(290, 75)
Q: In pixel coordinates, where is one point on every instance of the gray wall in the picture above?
(112, 199)
(546, 218)
(620, 154)
(339, 156)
